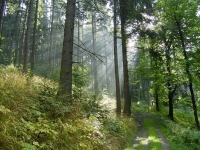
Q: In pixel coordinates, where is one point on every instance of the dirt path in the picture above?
(142, 135)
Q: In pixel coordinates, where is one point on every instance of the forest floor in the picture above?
(145, 138)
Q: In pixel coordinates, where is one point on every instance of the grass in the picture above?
(131, 134)
(148, 123)
(32, 117)
(154, 141)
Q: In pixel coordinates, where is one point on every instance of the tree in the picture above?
(27, 37)
(65, 84)
(187, 70)
(183, 18)
(123, 16)
(3, 2)
(94, 61)
(118, 101)
(34, 37)
(22, 38)
(171, 87)
(50, 53)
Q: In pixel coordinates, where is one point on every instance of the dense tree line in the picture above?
(172, 50)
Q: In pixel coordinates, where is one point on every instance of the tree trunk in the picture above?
(118, 102)
(51, 39)
(16, 36)
(157, 85)
(22, 39)
(187, 67)
(65, 84)
(170, 98)
(94, 68)
(169, 86)
(27, 37)
(78, 48)
(34, 38)
(157, 99)
(127, 105)
(3, 2)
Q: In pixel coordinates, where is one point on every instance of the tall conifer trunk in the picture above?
(78, 38)
(16, 36)
(34, 38)
(3, 2)
(22, 38)
(50, 57)
(27, 37)
(118, 102)
(94, 61)
(127, 104)
(65, 84)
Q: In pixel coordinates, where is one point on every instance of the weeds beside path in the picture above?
(149, 136)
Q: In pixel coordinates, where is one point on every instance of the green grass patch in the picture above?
(154, 141)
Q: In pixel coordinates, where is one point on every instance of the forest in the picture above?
(99, 74)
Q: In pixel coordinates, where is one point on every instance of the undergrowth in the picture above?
(180, 133)
(180, 136)
(33, 118)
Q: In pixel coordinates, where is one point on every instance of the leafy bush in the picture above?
(115, 126)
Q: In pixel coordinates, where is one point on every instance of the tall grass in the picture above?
(33, 118)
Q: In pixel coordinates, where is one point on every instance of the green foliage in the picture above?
(55, 75)
(80, 76)
(115, 126)
(183, 137)
(40, 134)
(31, 117)
(180, 134)
(86, 133)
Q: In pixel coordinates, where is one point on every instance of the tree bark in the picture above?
(50, 57)
(157, 86)
(27, 37)
(65, 84)
(127, 104)
(169, 85)
(78, 49)
(118, 102)
(3, 2)
(34, 38)
(21, 45)
(187, 67)
(157, 99)
(170, 98)
(94, 68)
(16, 36)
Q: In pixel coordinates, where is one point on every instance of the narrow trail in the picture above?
(142, 133)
